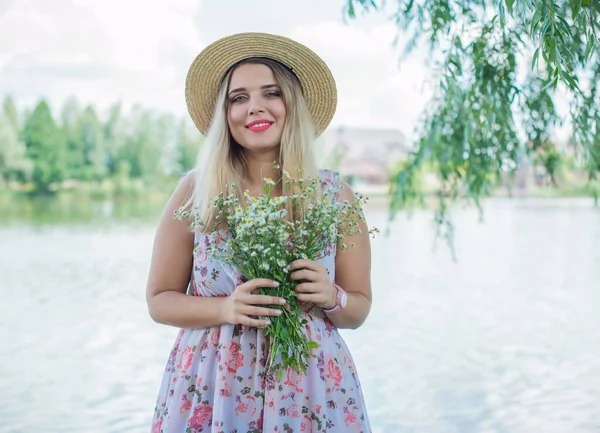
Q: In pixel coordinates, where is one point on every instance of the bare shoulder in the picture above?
(346, 192)
(183, 191)
(173, 244)
(177, 228)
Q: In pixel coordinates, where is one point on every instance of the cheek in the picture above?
(236, 124)
(235, 117)
(280, 110)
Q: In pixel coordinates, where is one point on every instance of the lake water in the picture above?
(506, 339)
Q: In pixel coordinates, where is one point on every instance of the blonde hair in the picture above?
(221, 162)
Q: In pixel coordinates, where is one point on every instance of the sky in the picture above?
(139, 51)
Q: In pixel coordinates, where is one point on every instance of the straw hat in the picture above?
(209, 67)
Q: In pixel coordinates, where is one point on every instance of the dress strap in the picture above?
(330, 181)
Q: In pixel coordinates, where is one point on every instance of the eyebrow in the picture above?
(240, 89)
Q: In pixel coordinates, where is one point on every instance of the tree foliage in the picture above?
(84, 146)
(45, 145)
(14, 165)
(501, 66)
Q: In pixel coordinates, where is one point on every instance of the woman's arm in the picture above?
(169, 276)
(353, 274)
(170, 271)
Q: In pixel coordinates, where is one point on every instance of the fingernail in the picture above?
(282, 301)
(275, 283)
(267, 322)
(278, 312)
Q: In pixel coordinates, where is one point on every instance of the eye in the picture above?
(274, 94)
(238, 98)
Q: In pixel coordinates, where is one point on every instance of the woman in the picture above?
(258, 98)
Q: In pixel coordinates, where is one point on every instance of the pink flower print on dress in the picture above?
(203, 271)
(271, 403)
(306, 425)
(236, 359)
(294, 383)
(241, 406)
(215, 335)
(201, 417)
(201, 253)
(251, 405)
(293, 411)
(334, 372)
(186, 406)
(185, 362)
(225, 391)
(350, 417)
(157, 426)
(329, 327)
(248, 408)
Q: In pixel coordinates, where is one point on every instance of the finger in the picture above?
(256, 323)
(307, 288)
(305, 274)
(258, 283)
(261, 311)
(315, 298)
(305, 264)
(265, 300)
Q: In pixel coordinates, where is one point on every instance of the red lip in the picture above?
(266, 124)
(258, 121)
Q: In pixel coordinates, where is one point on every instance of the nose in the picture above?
(255, 107)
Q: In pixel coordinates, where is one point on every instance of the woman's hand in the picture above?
(315, 285)
(242, 304)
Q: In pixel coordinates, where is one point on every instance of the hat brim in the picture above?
(210, 66)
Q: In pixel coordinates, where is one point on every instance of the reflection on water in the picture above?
(71, 210)
(505, 340)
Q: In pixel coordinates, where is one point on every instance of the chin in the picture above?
(261, 147)
(260, 144)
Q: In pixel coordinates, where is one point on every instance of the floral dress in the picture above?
(215, 379)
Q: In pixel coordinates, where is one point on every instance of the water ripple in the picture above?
(505, 340)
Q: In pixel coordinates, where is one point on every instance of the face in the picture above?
(256, 112)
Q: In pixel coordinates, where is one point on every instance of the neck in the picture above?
(259, 166)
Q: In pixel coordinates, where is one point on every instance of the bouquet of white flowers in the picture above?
(262, 240)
